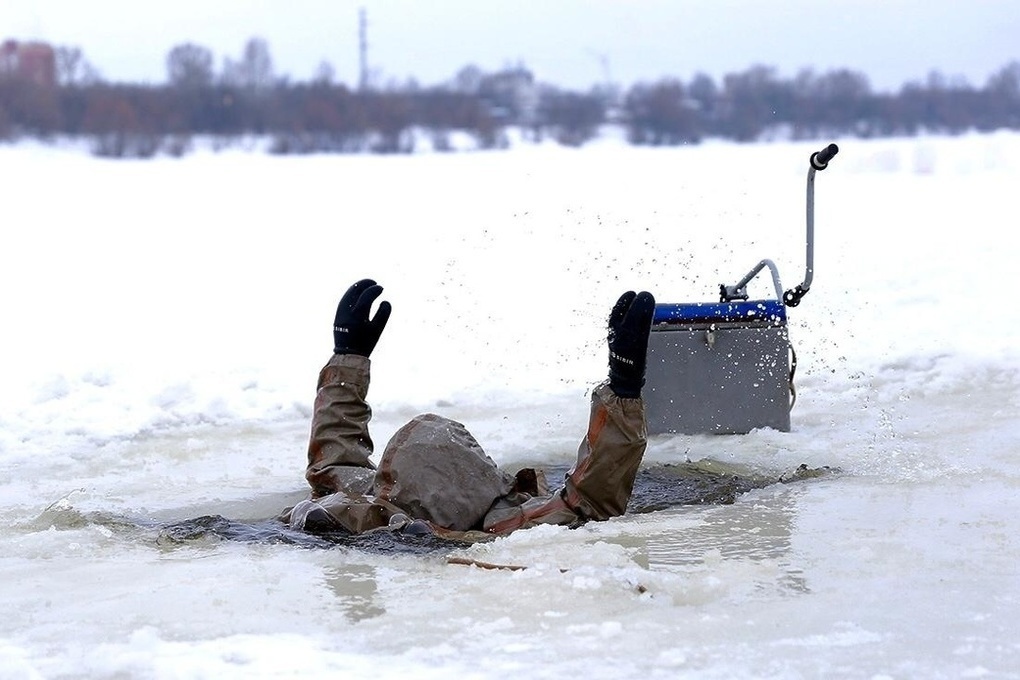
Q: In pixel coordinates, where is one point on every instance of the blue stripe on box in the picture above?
(768, 311)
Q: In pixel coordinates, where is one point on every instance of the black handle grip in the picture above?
(820, 159)
(793, 296)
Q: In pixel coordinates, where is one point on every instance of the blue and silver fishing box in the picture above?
(727, 367)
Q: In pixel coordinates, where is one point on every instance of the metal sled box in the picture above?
(718, 368)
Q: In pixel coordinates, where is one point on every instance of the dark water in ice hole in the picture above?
(656, 488)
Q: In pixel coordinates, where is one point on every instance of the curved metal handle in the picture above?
(819, 161)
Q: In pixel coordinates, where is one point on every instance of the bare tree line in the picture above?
(246, 97)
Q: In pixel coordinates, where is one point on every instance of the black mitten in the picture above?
(353, 331)
(629, 325)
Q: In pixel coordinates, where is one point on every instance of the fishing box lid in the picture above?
(766, 312)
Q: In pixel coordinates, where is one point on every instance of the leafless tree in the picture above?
(324, 74)
(661, 114)
(255, 69)
(189, 66)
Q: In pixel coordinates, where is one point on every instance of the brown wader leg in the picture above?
(600, 483)
(339, 469)
(340, 445)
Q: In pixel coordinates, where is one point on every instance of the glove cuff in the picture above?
(625, 386)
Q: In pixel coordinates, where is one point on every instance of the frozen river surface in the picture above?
(164, 322)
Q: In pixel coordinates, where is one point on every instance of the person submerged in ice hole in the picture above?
(433, 476)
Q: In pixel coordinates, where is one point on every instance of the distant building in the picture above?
(34, 62)
(512, 95)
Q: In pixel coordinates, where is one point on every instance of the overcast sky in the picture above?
(572, 43)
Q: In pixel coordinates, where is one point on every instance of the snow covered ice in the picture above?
(164, 322)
